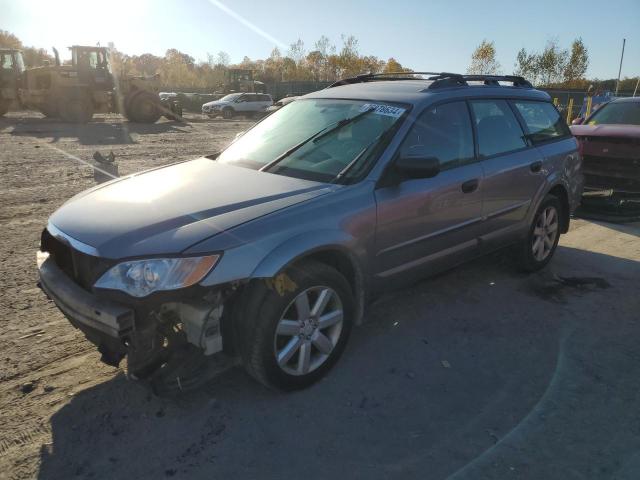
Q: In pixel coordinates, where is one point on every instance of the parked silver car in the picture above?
(270, 250)
(248, 104)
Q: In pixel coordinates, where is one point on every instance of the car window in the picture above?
(542, 120)
(497, 127)
(444, 132)
(231, 97)
(621, 113)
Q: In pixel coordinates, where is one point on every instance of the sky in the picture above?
(424, 35)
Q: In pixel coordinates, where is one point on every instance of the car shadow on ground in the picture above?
(481, 372)
(100, 131)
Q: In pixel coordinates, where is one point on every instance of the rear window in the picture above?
(498, 130)
(542, 119)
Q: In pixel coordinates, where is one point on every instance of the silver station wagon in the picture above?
(267, 253)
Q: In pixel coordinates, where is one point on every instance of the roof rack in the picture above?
(439, 79)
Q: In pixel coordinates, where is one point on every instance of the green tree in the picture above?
(392, 66)
(483, 60)
(527, 66)
(578, 63)
(552, 63)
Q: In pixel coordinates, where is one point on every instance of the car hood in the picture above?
(620, 131)
(166, 210)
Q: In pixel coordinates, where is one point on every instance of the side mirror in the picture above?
(418, 167)
(577, 121)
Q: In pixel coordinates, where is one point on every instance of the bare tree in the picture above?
(483, 60)
(223, 59)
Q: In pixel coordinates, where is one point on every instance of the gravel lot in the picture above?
(478, 373)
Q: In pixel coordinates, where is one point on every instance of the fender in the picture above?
(317, 241)
(555, 178)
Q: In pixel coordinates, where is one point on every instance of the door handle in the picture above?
(536, 166)
(470, 186)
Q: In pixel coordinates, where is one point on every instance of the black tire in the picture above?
(143, 107)
(527, 260)
(4, 107)
(228, 113)
(265, 304)
(76, 109)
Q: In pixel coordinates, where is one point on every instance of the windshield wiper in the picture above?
(315, 137)
(342, 173)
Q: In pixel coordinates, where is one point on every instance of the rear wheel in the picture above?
(291, 335)
(4, 107)
(540, 245)
(143, 107)
(76, 109)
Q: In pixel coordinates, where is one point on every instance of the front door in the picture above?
(431, 221)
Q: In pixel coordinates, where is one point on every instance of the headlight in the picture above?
(140, 278)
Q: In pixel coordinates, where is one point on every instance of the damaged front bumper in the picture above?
(105, 323)
(165, 333)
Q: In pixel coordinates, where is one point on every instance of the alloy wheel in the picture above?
(545, 233)
(308, 330)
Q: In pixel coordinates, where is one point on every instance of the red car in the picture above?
(610, 145)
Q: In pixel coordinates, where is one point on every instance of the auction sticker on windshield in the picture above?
(387, 110)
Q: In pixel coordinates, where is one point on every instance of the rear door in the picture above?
(243, 103)
(513, 170)
(425, 222)
(548, 131)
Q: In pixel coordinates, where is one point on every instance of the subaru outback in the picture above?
(268, 251)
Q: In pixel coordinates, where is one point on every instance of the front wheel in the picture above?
(143, 107)
(228, 113)
(541, 242)
(295, 327)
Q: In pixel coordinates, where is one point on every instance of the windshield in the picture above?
(322, 158)
(620, 113)
(230, 97)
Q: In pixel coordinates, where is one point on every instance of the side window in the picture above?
(542, 120)
(497, 127)
(7, 61)
(444, 132)
(93, 60)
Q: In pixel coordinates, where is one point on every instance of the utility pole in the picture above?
(636, 89)
(624, 40)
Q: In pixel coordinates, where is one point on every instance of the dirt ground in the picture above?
(478, 373)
